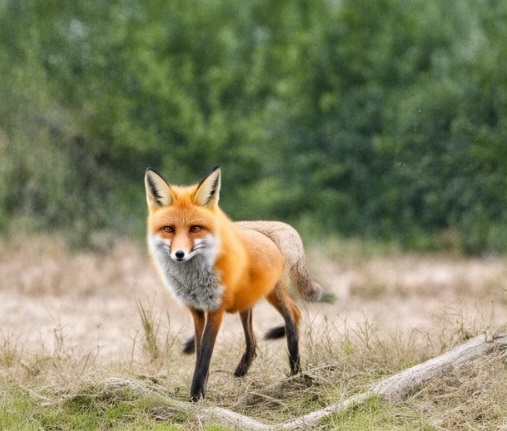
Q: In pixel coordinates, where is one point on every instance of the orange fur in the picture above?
(214, 266)
(248, 262)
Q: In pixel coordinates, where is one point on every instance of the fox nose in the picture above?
(180, 254)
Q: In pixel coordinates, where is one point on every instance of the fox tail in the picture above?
(289, 242)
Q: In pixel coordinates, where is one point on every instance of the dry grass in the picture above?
(468, 399)
(71, 322)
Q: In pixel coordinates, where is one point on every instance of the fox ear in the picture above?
(158, 192)
(208, 190)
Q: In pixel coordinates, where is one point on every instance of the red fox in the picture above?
(214, 265)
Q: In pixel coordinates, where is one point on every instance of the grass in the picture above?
(118, 398)
(150, 331)
(62, 383)
(90, 407)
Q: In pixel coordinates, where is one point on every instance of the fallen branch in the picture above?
(397, 387)
(391, 389)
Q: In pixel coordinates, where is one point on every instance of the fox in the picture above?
(215, 266)
(289, 242)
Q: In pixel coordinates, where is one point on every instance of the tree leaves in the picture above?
(384, 119)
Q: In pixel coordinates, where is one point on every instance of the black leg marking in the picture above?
(251, 345)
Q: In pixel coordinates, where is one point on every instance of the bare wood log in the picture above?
(221, 416)
(392, 389)
(396, 388)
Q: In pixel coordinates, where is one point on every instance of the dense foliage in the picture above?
(381, 119)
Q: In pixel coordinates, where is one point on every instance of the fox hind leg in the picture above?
(279, 299)
(251, 344)
(275, 333)
(189, 346)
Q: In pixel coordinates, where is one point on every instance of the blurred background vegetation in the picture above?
(378, 119)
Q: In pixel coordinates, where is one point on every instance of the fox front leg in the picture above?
(199, 322)
(204, 352)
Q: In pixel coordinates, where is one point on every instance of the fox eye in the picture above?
(195, 228)
(168, 229)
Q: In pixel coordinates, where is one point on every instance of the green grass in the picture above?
(377, 415)
(93, 407)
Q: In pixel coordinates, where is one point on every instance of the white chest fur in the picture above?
(195, 282)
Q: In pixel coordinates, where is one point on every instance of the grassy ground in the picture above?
(87, 341)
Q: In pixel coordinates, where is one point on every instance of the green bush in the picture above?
(382, 119)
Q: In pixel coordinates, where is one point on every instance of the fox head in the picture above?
(182, 220)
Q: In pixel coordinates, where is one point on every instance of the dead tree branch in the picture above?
(391, 389)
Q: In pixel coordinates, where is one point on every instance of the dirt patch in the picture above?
(87, 303)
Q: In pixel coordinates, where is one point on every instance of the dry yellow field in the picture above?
(90, 299)
(67, 319)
